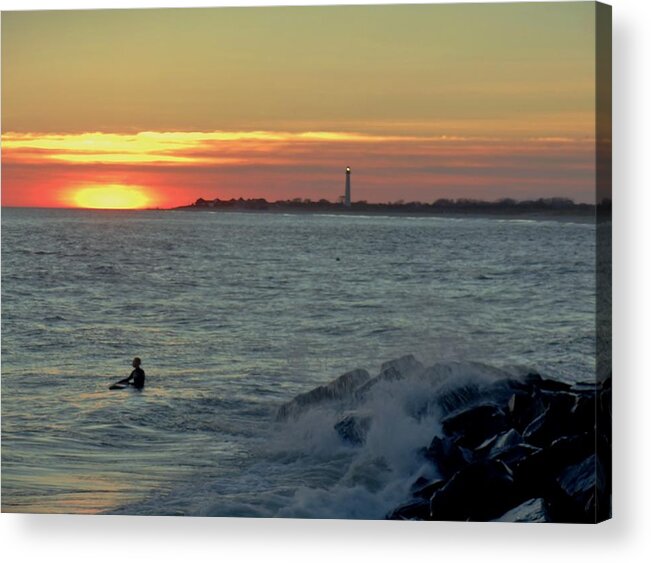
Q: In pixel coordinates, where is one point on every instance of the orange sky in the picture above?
(176, 168)
(156, 108)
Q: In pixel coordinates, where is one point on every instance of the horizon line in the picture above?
(308, 201)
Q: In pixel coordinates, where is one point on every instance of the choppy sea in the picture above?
(234, 314)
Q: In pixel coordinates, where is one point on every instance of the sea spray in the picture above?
(403, 404)
(359, 452)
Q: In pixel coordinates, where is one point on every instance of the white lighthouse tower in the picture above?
(347, 197)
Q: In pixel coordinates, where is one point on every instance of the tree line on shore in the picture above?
(444, 205)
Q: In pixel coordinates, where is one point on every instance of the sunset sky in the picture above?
(156, 108)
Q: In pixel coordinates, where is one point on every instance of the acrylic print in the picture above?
(308, 262)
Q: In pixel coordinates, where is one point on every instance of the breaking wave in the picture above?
(348, 449)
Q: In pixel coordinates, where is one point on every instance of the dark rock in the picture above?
(353, 429)
(474, 425)
(538, 429)
(585, 386)
(553, 423)
(479, 492)
(532, 510)
(503, 442)
(515, 385)
(427, 490)
(533, 378)
(519, 450)
(513, 456)
(393, 370)
(561, 400)
(584, 483)
(413, 510)
(482, 450)
(604, 498)
(604, 456)
(536, 473)
(500, 391)
(605, 405)
(404, 366)
(552, 385)
(584, 413)
(340, 388)
(447, 456)
(461, 396)
(523, 409)
(419, 483)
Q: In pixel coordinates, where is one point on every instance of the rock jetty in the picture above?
(505, 446)
(542, 455)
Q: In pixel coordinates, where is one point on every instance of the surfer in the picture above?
(137, 377)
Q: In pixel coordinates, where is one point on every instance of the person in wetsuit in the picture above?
(137, 377)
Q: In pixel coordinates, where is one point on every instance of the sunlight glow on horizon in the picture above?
(112, 196)
(174, 168)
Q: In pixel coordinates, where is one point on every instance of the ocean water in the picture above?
(234, 314)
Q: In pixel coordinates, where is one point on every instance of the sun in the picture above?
(111, 196)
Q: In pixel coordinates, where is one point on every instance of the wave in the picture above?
(350, 448)
(356, 447)
(380, 425)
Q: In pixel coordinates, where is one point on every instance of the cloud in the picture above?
(184, 165)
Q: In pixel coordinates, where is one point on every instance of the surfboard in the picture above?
(116, 386)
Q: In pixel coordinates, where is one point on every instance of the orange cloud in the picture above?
(177, 167)
(160, 147)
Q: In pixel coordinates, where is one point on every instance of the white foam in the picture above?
(302, 467)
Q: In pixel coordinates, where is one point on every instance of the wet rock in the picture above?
(447, 456)
(393, 370)
(552, 385)
(428, 489)
(513, 456)
(536, 473)
(532, 378)
(560, 400)
(401, 367)
(500, 444)
(604, 456)
(413, 510)
(523, 408)
(584, 412)
(419, 483)
(605, 403)
(585, 387)
(532, 510)
(353, 429)
(538, 431)
(584, 483)
(553, 423)
(340, 388)
(472, 426)
(462, 384)
(519, 450)
(479, 492)
(458, 397)
(502, 390)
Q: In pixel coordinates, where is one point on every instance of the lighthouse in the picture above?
(347, 197)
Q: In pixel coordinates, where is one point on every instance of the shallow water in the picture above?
(234, 314)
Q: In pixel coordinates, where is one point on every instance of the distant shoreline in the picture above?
(542, 209)
(586, 214)
(565, 216)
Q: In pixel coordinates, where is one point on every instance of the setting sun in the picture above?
(112, 196)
